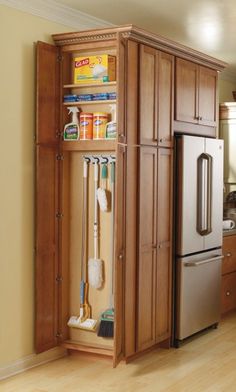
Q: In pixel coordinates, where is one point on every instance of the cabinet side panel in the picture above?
(47, 93)
(46, 249)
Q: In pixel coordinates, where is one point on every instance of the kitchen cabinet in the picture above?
(228, 291)
(228, 134)
(156, 97)
(143, 190)
(196, 99)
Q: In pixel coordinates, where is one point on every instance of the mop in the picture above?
(106, 327)
(95, 265)
(83, 321)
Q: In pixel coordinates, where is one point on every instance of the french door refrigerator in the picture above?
(199, 215)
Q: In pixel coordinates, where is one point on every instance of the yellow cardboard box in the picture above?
(95, 69)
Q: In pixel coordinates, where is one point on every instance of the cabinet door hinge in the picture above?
(59, 215)
(59, 58)
(59, 134)
(59, 279)
(60, 157)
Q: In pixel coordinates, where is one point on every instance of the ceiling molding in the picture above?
(229, 76)
(51, 10)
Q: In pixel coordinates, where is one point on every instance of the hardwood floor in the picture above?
(204, 364)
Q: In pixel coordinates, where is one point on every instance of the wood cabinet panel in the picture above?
(229, 253)
(47, 93)
(148, 95)
(228, 292)
(147, 248)
(46, 249)
(165, 99)
(186, 91)
(164, 247)
(207, 96)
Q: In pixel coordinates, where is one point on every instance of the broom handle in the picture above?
(95, 227)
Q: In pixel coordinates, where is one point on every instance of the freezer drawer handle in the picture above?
(197, 263)
(204, 192)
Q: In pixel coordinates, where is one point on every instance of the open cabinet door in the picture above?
(47, 174)
(119, 255)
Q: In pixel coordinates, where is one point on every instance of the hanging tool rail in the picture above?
(100, 159)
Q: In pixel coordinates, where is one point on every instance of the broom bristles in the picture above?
(106, 329)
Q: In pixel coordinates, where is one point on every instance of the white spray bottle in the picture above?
(71, 130)
(111, 126)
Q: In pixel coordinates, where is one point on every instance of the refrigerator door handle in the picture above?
(197, 263)
(204, 194)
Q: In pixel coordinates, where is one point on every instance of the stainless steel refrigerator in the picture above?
(199, 215)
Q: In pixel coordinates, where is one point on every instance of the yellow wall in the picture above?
(18, 32)
(225, 90)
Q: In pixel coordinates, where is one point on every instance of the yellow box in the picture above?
(95, 69)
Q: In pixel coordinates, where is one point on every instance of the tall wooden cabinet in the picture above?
(149, 88)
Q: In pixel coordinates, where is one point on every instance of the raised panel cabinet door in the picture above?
(146, 281)
(165, 99)
(119, 252)
(207, 96)
(186, 99)
(228, 292)
(47, 93)
(148, 95)
(164, 245)
(229, 253)
(46, 312)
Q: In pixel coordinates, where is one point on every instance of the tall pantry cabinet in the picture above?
(146, 119)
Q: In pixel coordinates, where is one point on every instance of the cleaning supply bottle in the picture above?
(111, 126)
(71, 130)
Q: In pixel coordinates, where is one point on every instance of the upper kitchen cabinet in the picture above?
(195, 99)
(156, 97)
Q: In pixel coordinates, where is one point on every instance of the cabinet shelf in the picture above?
(89, 145)
(78, 103)
(86, 85)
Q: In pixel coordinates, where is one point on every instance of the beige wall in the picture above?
(18, 32)
(225, 90)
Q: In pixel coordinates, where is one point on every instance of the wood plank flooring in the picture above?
(205, 364)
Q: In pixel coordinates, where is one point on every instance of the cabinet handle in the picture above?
(122, 135)
(196, 118)
(163, 139)
(200, 118)
(228, 293)
(229, 254)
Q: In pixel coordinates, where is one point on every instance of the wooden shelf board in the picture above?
(95, 349)
(89, 145)
(78, 103)
(85, 85)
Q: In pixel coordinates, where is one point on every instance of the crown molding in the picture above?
(228, 75)
(51, 10)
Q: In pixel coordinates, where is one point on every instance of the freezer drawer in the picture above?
(198, 292)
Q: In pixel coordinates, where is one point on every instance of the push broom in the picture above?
(84, 321)
(106, 327)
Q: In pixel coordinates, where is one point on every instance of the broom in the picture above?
(106, 327)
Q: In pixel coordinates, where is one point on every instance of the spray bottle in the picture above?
(71, 130)
(111, 126)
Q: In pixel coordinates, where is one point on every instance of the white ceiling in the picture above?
(205, 25)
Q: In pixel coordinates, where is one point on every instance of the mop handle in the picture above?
(95, 227)
(85, 174)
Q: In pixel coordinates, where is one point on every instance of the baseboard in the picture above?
(31, 361)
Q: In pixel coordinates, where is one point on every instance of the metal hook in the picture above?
(105, 159)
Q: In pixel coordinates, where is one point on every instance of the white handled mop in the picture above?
(95, 265)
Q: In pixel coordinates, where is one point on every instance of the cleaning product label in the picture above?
(111, 130)
(71, 132)
(95, 69)
(99, 125)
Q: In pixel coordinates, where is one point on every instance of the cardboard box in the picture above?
(95, 69)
